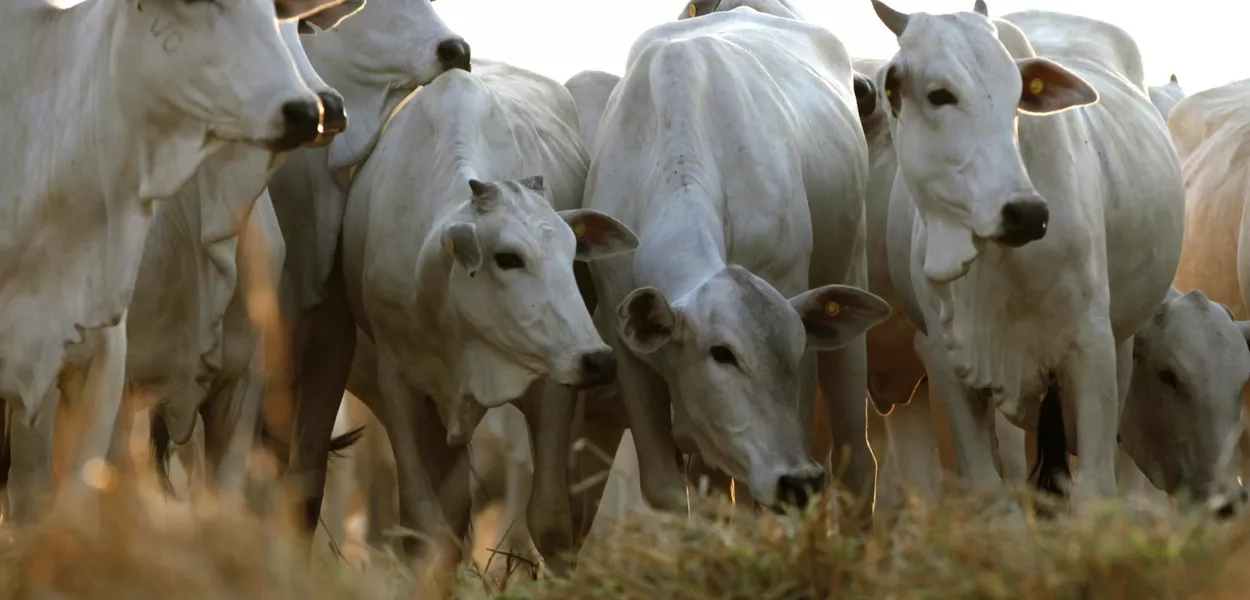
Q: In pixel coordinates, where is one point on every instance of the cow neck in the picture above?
(682, 245)
(369, 96)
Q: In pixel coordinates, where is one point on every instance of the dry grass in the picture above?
(145, 547)
(964, 549)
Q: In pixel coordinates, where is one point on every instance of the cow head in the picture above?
(955, 92)
(1183, 411)
(513, 293)
(194, 71)
(389, 47)
(777, 8)
(731, 350)
(1165, 97)
(333, 113)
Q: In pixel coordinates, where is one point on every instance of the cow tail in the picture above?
(279, 448)
(345, 441)
(161, 445)
(1052, 470)
(6, 456)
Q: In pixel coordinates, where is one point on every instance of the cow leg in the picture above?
(338, 487)
(843, 376)
(30, 468)
(449, 469)
(970, 418)
(515, 467)
(231, 419)
(96, 398)
(591, 469)
(397, 409)
(908, 462)
(645, 396)
(1011, 451)
(1095, 398)
(504, 470)
(375, 472)
(322, 377)
(549, 409)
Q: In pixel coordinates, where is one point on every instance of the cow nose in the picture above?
(453, 54)
(334, 117)
(798, 489)
(598, 368)
(1023, 221)
(865, 95)
(301, 121)
(1226, 506)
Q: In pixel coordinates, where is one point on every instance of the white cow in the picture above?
(590, 90)
(1032, 240)
(374, 59)
(483, 306)
(120, 108)
(197, 350)
(1191, 362)
(1209, 130)
(738, 209)
(1165, 96)
(502, 458)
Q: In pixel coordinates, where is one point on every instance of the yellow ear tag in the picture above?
(579, 229)
(694, 12)
(1036, 86)
(889, 93)
(832, 309)
(451, 246)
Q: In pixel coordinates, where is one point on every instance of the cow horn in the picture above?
(894, 20)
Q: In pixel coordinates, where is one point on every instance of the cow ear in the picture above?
(329, 18)
(645, 321)
(598, 235)
(460, 240)
(1049, 87)
(697, 8)
(835, 315)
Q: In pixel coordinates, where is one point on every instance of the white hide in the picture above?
(466, 289)
(731, 205)
(1006, 315)
(591, 90)
(777, 8)
(109, 108)
(1165, 96)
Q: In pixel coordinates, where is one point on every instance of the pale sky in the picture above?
(1202, 41)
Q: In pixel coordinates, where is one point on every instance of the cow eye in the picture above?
(941, 97)
(1168, 377)
(723, 355)
(508, 260)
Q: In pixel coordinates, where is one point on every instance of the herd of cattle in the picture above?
(998, 236)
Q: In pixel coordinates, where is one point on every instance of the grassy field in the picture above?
(146, 548)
